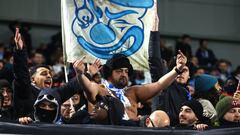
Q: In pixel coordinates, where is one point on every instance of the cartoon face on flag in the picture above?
(101, 28)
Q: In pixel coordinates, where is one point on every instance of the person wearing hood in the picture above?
(207, 92)
(7, 110)
(60, 94)
(27, 84)
(67, 111)
(228, 112)
(47, 106)
(49, 101)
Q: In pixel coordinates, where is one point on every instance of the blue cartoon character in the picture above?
(105, 27)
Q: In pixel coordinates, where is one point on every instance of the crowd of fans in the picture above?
(193, 91)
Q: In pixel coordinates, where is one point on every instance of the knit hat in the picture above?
(204, 83)
(196, 107)
(5, 83)
(225, 104)
(117, 61)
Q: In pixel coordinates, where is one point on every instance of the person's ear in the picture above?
(33, 80)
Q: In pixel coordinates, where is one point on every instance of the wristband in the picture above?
(178, 71)
(88, 75)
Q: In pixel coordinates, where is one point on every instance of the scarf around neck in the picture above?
(119, 93)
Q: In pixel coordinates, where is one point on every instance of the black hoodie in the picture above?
(56, 96)
(42, 115)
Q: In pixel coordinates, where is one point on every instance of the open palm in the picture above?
(18, 40)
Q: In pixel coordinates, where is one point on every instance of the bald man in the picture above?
(158, 119)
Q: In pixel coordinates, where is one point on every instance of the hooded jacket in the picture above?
(52, 97)
(7, 113)
(60, 94)
(25, 94)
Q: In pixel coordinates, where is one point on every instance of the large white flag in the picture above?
(101, 28)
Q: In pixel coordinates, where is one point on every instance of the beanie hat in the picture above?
(5, 83)
(196, 107)
(117, 61)
(204, 83)
(225, 104)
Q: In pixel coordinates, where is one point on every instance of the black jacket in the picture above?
(60, 94)
(7, 73)
(25, 94)
(171, 100)
(157, 68)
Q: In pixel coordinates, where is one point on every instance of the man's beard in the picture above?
(121, 82)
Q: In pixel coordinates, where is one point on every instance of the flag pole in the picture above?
(65, 72)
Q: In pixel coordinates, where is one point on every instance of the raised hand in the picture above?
(181, 60)
(95, 67)
(18, 40)
(79, 66)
